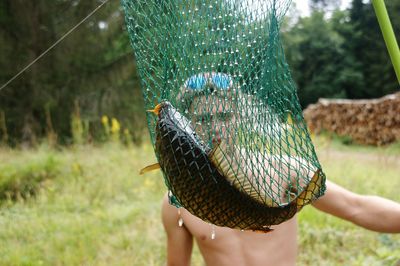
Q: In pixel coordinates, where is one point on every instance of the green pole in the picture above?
(388, 34)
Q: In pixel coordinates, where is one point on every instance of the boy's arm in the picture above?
(371, 212)
(179, 239)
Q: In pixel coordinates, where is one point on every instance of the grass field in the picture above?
(88, 206)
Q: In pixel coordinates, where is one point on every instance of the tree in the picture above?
(341, 56)
(92, 66)
(365, 44)
(314, 54)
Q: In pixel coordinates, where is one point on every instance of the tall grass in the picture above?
(327, 240)
(22, 178)
(94, 209)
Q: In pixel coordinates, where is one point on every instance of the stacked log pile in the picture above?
(373, 122)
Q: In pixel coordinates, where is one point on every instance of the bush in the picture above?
(22, 180)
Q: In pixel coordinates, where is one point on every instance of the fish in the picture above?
(195, 175)
(237, 177)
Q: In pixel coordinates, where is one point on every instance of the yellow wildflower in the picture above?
(115, 126)
(104, 120)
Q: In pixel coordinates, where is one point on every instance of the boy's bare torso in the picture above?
(235, 247)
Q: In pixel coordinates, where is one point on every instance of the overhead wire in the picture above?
(54, 44)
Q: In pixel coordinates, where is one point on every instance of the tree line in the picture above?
(92, 73)
(343, 56)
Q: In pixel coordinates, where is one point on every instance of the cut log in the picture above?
(373, 122)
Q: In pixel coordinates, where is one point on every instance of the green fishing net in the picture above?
(226, 125)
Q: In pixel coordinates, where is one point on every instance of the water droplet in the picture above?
(213, 235)
(180, 221)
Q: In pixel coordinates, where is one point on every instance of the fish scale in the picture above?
(223, 66)
(200, 188)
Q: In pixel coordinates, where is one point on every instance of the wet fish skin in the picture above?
(199, 187)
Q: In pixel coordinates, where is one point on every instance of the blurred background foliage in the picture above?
(92, 74)
(86, 204)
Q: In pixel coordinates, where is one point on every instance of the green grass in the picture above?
(22, 178)
(365, 170)
(89, 206)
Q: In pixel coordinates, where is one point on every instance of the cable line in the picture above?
(54, 45)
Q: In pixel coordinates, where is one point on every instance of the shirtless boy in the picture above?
(279, 247)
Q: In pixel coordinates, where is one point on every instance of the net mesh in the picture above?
(228, 130)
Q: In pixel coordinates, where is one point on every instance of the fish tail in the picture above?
(308, 193)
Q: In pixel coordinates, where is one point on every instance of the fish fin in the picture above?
(150, 168)
(307, 194)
